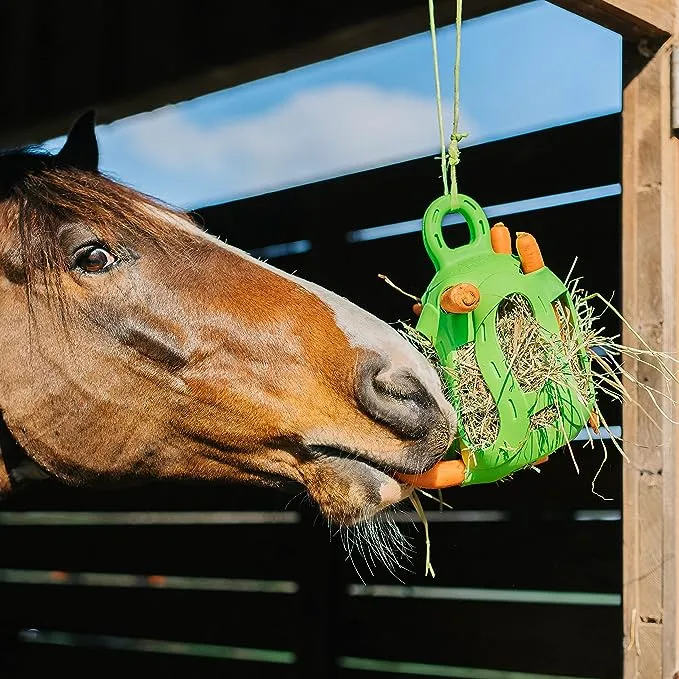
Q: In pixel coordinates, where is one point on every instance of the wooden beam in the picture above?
(650, 292)
(633, 19)
(286, 215)
(218, 75)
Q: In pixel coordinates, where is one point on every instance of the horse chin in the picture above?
(350, 491)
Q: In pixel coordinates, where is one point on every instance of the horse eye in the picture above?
(94, 260)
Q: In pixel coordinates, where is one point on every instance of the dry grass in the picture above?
(538, 358)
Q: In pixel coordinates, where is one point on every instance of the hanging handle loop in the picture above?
(477, 223)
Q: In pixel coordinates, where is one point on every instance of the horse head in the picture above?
(135, 346)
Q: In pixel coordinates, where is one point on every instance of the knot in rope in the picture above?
(454, 147)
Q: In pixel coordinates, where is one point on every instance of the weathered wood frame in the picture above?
(650, 283)
(650, 512)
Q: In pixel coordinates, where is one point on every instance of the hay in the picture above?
(476, 408)
(528, 349)
(536, 357)
(417, 504)
(544, 418)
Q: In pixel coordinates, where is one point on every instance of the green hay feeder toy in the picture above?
(462, 306)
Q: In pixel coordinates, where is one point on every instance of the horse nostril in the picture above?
(398, 399)
(401, 387)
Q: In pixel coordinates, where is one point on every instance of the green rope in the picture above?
(450, 157)
(439, 105)
(456, 137)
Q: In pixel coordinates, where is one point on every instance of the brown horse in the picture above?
(137, 347)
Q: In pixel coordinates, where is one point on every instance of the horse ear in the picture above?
(81, 149)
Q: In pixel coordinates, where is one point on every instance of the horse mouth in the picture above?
(378, 479)
(328, 453)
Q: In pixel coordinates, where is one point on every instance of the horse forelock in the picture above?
(38, 196)
(42, 197)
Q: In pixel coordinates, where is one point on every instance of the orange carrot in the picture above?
(501, 239)
(443, 475)
(540, 460)
(460, 299)
(529, 253)
(594, 421)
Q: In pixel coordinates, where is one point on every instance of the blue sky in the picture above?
(522, 69)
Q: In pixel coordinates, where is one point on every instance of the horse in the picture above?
(135, 347)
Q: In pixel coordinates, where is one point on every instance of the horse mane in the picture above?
(38, 194)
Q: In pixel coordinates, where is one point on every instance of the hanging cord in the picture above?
(439, 105)
(456, 137)
(450, 157)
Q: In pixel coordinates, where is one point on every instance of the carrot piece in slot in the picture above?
(529, 253)
(594, 421)
(443, 475)
(501, 239)
(460, 299)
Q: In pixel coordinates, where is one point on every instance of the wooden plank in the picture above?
(154, 496)
(541, 638)
(249, 619)
(214, 52)
(326, 210)
(633, 19)
(220, 551)
(651, 640)
(32, 661)
(649, 236)
(523, 554)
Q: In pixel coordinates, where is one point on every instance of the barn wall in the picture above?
(202, 582)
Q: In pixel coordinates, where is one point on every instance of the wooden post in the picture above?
(650, 298)
(650, 236)
(634, 19)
